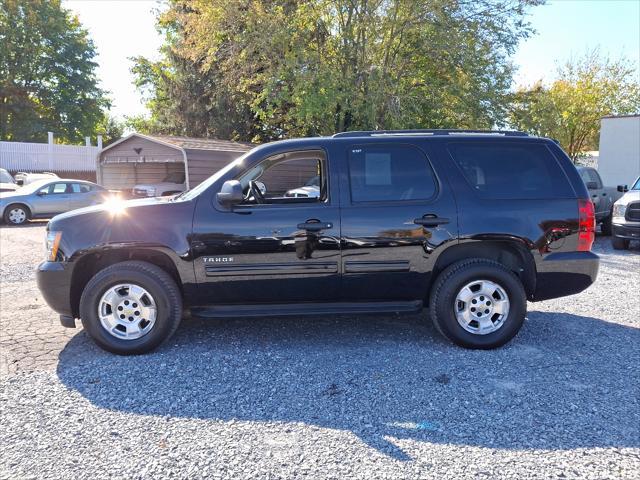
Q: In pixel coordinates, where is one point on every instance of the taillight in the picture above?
(586, 225)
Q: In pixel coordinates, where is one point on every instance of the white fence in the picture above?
(47, 157)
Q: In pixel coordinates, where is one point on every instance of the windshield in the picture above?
(33, 186)
(194, 192)
(636, 186)
(5, 177)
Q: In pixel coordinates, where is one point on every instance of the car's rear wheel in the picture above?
(606, 226)
(16, 214)
(478, 303)
(620, 243)
(131, 307)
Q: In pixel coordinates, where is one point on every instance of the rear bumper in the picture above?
(628, 231)
(54, 282)
(565, 273)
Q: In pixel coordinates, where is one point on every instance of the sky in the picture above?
(564, 28)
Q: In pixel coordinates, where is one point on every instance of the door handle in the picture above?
(314, 226)
(431, 221)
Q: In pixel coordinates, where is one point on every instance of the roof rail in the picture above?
(376, 133)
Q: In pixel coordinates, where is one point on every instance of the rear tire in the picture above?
(445, 305)
(101, 317)
(17, 214)
(606, 226)
(619, 243)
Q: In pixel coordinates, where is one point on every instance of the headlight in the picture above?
(619, 209)
(53, 243)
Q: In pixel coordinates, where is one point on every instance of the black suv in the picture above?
(469, 224)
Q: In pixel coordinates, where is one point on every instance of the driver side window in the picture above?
(293, 177)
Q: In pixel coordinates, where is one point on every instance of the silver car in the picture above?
(46, 198)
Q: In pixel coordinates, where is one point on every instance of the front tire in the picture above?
(130, 308)
(620, 243)
(16, 214)
(478, 303)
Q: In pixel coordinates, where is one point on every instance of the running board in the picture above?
(270, 310)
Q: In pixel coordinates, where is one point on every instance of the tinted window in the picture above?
(511, 170)
(390, 173)
(81, 188)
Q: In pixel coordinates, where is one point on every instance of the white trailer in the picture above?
(619, 161)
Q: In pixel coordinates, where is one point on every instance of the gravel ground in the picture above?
(342, 397)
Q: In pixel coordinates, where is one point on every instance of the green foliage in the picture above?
(47, 79)
(570, 109)
(259, 70)
(110, 128)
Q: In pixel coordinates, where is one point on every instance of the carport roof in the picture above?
(189, 143)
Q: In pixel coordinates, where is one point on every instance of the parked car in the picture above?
(46, 198)
(626, 216)
(24, 178)
(172, 184)
(7, 183)
(601, 196)
(469, 224)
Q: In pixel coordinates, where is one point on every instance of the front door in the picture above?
(281, 245)
(53, 199)
(396, 213)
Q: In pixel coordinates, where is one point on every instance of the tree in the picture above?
(269, 69)
(110, 128)
(47, 74)
(570, 109)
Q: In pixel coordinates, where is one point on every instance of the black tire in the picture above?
(14, 206)
(443, 301)
(619, 243)
(606, 226)
(160, 286)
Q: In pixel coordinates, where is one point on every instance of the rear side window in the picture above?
(509, 170)
(390, 173)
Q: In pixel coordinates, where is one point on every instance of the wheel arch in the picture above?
(93, 262)
(20, 203)
(510, 253)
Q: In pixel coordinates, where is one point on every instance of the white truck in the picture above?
(626, 217)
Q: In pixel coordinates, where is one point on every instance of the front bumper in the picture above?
(629, 231)
(54, 282)
(565, 273)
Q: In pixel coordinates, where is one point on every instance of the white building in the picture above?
(619, 161)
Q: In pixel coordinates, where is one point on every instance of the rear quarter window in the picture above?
(511, 170)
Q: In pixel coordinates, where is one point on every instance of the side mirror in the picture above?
(623, 188)
(230, 193)
(41, 193)
(592, 186)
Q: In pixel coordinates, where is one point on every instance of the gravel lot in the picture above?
(342, 397)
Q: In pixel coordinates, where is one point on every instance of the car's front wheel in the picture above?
(131, 307)
(16, 214)
(478, 303)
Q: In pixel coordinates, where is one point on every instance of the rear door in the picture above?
(396, 212)
(82, 195)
